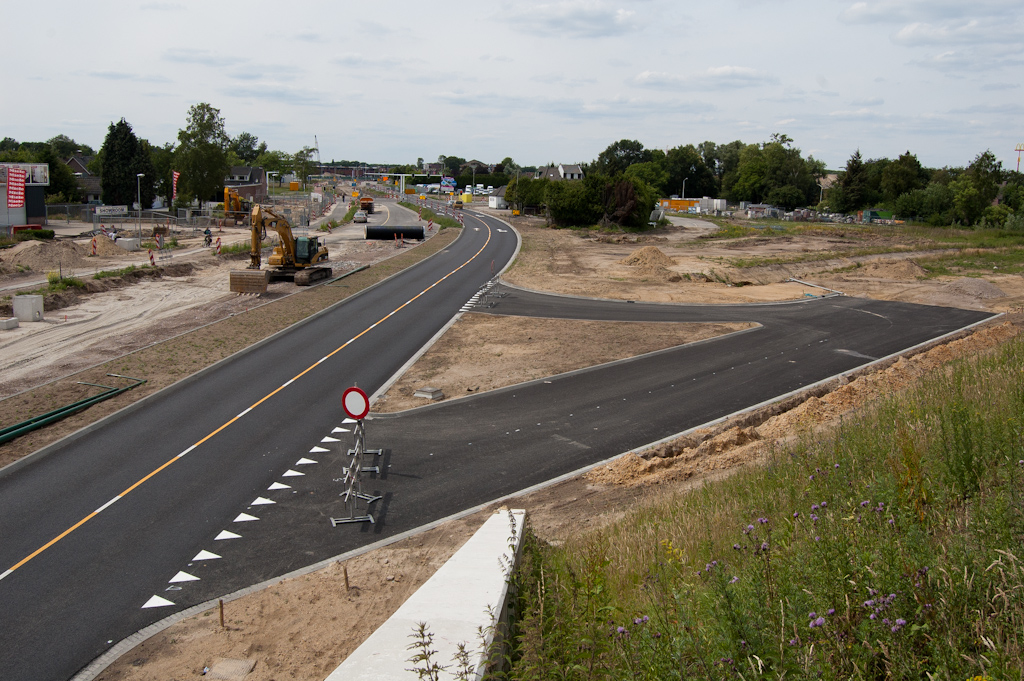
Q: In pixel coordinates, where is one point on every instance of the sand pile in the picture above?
(974, 288)
(105, 246)
(44, 256)
(900, 270)
(648, 256)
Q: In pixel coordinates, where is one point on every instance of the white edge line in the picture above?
(106, 505)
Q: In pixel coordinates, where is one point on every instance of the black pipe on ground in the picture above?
(392, 233)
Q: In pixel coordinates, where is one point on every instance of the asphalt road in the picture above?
(89, 588)
(180, 468)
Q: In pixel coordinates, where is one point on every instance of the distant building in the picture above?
(497, 198)
(433, 168)
(560, 172)
(249, 182)
(89, 185)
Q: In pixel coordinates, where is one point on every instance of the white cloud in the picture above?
(872, 101)
(713, 78)
(573, 18)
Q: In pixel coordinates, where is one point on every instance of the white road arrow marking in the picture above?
(245, 518)
(330, 439)
(205, 555)
(341, 430)
(157, 602)
(318, 450)
(261, 501)
(183, 577)
(279, 485)
(226, 535)
(304, 462)
(290, 473)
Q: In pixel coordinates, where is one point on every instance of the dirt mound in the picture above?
(648, 256)
(44, 256)
(974, 288)
(900, 270)
(105, 246)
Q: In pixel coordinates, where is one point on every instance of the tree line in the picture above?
(623, 183)
(204, 154)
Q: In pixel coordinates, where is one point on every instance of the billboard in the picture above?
(36, 174)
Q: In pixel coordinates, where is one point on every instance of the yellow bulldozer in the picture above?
(294, 258)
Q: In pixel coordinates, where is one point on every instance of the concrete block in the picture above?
(128, 244)
(468, 593)
(28, 308)
(8, 323)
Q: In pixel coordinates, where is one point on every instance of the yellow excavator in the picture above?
(294, 259)
(235, 208)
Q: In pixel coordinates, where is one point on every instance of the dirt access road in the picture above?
(303, 627)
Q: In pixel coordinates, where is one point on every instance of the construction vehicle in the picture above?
(235, 207)
(294, 259)
(366, 203)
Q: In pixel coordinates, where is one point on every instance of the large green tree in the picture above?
(303, 163)
(903, 176)
(849, 195)
(65, 147)
(619, 156)
(774, 169)
(687, 163)
(124, 157)
(201, 157)
(247, 147)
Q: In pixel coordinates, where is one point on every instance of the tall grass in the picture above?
(886, 550)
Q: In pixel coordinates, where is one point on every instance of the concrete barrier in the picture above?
(28, 308)
(468, 595)
(8, 323)
(128, 244)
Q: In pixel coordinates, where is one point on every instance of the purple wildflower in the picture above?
(814, 507)
(820, 621)
(864, 503)
(812, 615)
(763, 521)
(837, 466)
(817, 539)
(824, 504)
(734, 580)
(764, 546)
(736, 546)
(831, 611)
(623, 630)
(797, 514)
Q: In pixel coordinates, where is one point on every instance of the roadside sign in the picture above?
(111, 210)
(355, 403)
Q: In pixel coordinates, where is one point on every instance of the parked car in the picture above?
(360, 216)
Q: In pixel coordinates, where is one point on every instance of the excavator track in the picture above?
(311, 275)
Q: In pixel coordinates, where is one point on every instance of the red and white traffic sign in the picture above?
(356, 403)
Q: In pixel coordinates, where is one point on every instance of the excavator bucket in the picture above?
(249, 281)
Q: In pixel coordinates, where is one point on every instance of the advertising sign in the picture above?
(448, 182)
(15, 188)
(108, 211)
(36, 174)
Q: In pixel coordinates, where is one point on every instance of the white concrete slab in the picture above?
(467, 593)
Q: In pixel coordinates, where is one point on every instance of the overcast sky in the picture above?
(538, 81)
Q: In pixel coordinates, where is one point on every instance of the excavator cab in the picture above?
(305, 248)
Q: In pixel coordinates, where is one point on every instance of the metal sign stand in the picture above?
(357, 405)
(353, 487)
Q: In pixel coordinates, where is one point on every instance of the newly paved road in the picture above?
(65, 604)
(89, 587)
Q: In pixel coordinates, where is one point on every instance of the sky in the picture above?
(553, 81)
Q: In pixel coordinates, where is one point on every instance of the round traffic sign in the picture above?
(356, 403)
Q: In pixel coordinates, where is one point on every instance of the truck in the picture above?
(366, 203)
(300, 259)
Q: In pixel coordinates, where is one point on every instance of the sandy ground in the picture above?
(303, 627)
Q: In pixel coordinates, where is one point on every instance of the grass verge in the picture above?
(886, 549)
(442, 221)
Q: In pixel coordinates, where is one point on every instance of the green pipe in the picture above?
(10, 432)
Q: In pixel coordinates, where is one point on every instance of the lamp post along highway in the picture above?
(138, 198)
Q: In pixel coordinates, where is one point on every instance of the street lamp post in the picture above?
(138, 196)
(683, 196)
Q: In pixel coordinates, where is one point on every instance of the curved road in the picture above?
(89, 588)
(91, 531)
